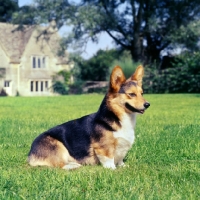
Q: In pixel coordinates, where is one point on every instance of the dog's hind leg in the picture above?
(51, 152)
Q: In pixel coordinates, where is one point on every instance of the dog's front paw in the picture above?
(121, 164)
(107, 162)
(109, 166)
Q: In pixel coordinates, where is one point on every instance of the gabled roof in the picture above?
(14, 41)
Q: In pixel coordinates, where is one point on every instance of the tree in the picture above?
(26, 15)
(143, 27)
(97, 67)
(7, 8)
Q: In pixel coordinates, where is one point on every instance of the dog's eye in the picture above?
(132, 94)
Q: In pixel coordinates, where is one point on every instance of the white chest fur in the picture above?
(125, 137)
(127, 128)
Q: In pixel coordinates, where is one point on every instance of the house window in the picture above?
(36, 86)
(43, 62)
(7, 84)
(41, 88)
(34, 62)
(46, 85)
(38, 62)
(31, 86)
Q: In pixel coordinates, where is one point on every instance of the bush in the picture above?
(3, 93)
(76, 87)
(181, 75)
(61, 81)
(60, 88)
(184, 77)
(126, 63)
(97, 67)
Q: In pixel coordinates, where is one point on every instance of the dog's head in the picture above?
(127, 94)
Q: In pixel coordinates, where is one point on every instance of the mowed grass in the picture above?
(164, 162)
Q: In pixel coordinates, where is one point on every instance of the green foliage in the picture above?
(26, 15)
(142, 27)
(76, 87)
(126, 63)
(97, 67)
(183, 77)
(7, 8)
(187, 35)
(65, 75)
(162, 164)
(189, 60)
(61, 82)
(41, 12)
(60, 88)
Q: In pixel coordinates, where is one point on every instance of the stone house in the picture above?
(28, 59)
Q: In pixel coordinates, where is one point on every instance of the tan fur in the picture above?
(114, 103)
(91, 159)
(138, 101)
(106, 146)
(138, 75)
(54, 154)
(116, 79)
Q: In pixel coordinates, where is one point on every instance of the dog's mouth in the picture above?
(131, 108)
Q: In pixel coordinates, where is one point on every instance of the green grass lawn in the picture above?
(164, 162)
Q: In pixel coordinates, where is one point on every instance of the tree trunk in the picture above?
(137, 42)
(136, 48)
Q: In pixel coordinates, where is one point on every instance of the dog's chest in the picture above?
(127, 128)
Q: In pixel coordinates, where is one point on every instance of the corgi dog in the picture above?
(103, 137)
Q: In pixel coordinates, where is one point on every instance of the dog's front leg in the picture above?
(105, 150)
(106, 161)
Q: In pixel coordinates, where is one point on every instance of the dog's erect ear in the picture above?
(138, 75)
(117, 78)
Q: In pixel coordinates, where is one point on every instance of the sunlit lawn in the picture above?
(164, 162)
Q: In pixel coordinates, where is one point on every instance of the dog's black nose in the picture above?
(146, 104)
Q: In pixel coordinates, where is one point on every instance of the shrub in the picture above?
(97, 67)
(3, 93)
(61, 82)
(76, 87)
(126, 63)
(60, 88)
(182, 78)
